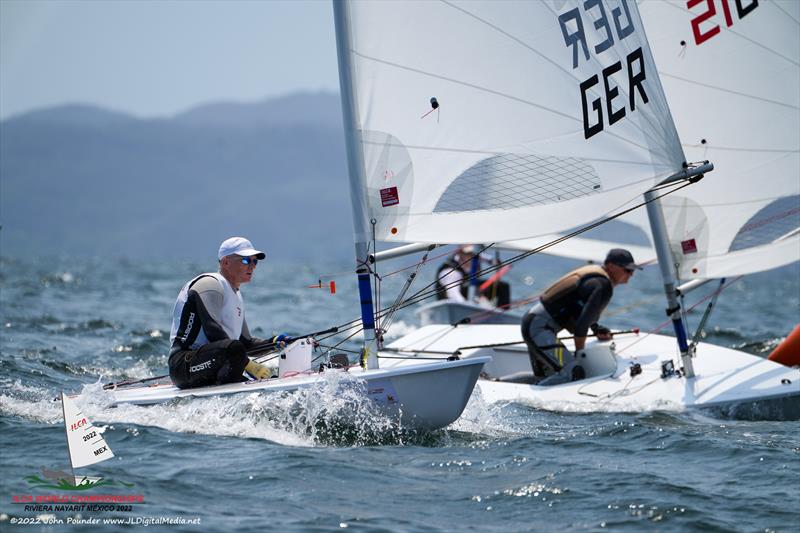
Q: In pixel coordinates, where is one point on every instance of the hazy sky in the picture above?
(158, 57)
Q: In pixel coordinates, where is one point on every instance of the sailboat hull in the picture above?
(725, 378)
(723, 383)
(450, 312)
(405, 393)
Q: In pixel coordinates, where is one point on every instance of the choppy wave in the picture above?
(32, 403)
(293, 462)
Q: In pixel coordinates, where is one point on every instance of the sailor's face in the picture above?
(246, 266)
(466, 258)
(239, 269)
(619, 275)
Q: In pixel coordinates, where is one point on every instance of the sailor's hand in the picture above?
(257, 370)
(281, 340)
(603, 333)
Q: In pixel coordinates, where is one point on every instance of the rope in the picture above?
(668, 322)
(401, 295)
(417, 357)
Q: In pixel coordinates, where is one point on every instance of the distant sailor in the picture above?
(453, 279)
(209, 334)
(575, 303)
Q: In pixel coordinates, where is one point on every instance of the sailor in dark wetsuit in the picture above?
(209, 333)
(575, 303)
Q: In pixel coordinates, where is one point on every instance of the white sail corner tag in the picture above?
(84, 441)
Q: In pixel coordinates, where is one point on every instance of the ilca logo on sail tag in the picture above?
(86, 446)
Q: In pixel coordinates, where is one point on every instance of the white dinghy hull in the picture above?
(450, 312)
(723, 377)
(405, 393)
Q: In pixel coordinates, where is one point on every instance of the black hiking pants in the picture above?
(211, 364)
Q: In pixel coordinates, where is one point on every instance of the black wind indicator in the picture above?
(434, 107)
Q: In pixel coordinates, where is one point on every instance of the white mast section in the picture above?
(401, 251)
(667, 264)
(356, 171)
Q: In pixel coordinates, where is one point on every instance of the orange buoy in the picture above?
(788, 352)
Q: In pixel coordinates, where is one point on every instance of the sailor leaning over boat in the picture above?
(575, 303)
(209, 334)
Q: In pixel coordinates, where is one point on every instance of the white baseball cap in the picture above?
(239, 246)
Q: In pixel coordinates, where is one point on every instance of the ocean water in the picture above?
(255, 463)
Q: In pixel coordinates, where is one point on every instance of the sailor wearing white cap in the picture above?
(209, 333)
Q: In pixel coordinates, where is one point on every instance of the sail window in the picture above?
(509, 181)
(780, 218)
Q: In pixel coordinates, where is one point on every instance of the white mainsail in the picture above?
(483, 121)
(84, 441)
(731, 71)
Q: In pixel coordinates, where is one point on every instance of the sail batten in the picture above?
(728, 90)
(470, 85)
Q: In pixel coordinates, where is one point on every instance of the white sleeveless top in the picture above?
(230, 318)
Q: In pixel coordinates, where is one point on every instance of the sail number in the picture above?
(89, 436)
(614, 26)
(743, 8)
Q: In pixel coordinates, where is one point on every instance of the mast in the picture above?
(355, 166)
(666, 261)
